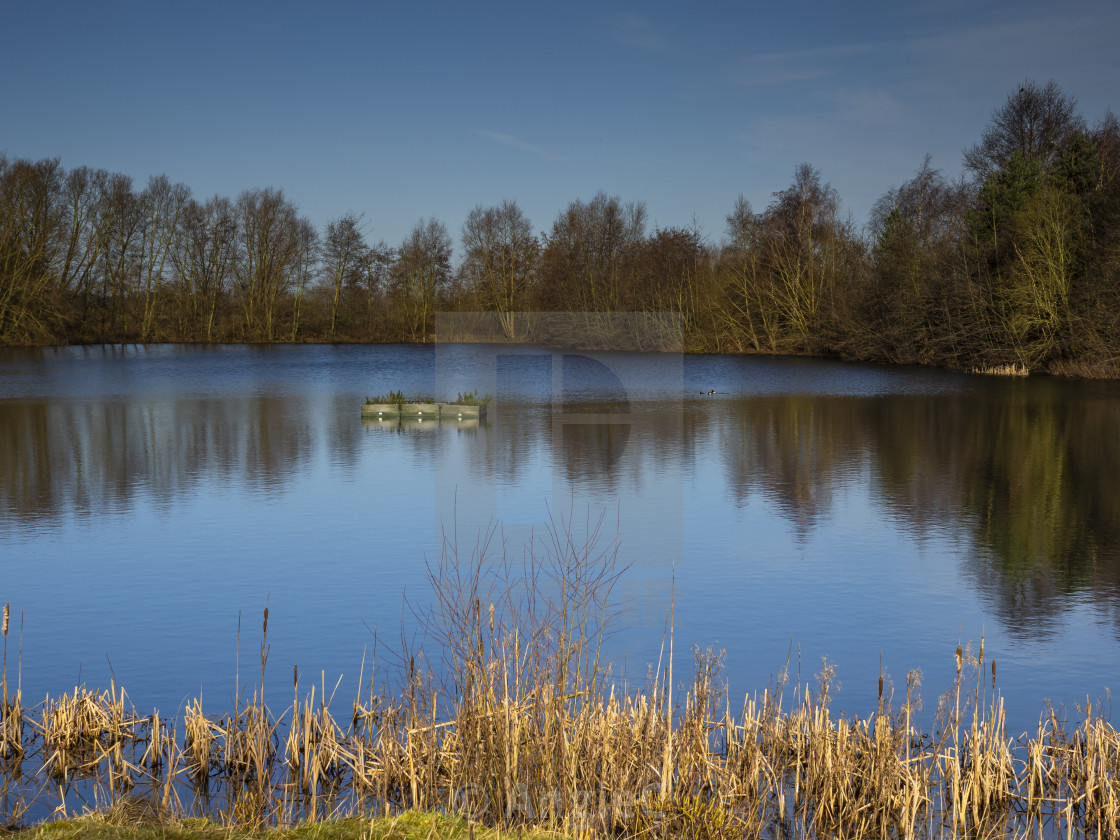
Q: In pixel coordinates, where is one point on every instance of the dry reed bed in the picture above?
(521, 724)
(627, 762)
(1015, 369)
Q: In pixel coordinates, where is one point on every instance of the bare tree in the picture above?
(1036, 291)
(372, 283)
(422, 272)
(745, 310)
(83, 195)
(345, 258)
(585, 254)
(270, 248)
(1036, 122)
(204, 261)
(803, 242)
(500, 260)
(670, 272)
(1106, 137)
(305, 263)
(917, 230)
(161, 206)
(120, 259)
(30, 221)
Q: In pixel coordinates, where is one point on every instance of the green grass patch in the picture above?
(411, 825)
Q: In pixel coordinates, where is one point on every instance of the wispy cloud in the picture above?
(784, 67)
(812, 54)
(867, 106)
(634, 30)
(514, 142)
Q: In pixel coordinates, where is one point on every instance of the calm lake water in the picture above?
(871, 515)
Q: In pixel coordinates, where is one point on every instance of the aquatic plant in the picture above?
(387, 399)
(472, 398)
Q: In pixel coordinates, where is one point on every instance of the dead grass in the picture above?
(1095, 367)
(1015, 369)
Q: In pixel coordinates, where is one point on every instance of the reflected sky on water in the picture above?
(861, 513)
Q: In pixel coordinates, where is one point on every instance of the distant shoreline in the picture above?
(1086, 370)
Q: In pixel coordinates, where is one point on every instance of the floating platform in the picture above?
(399, 423)
(425, 411)
(452, 411)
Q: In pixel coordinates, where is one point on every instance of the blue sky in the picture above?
(402, 110)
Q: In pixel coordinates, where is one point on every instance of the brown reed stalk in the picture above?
(11, 709)
(265, 647)
(4, 672)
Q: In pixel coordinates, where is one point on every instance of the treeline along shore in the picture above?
(1014, 266)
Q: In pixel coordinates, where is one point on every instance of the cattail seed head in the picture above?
(491, 618)
(960, 656)
(880, 686)
(993, 674)
(266, 621)
(6, 611)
